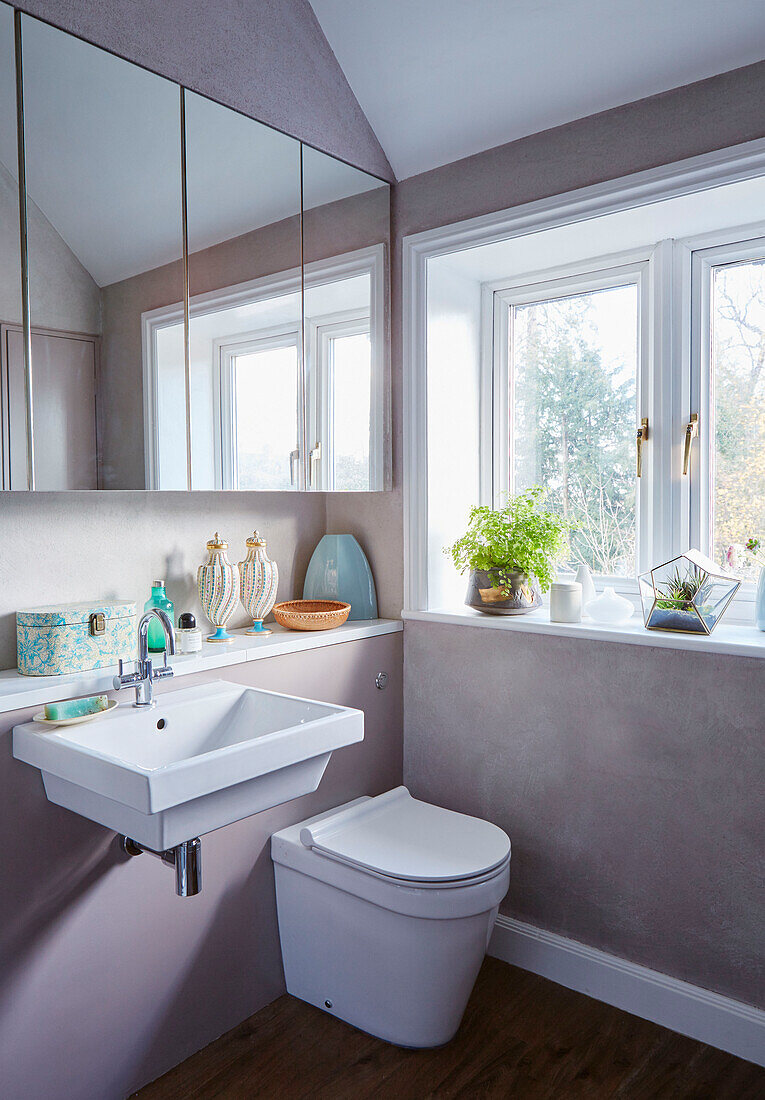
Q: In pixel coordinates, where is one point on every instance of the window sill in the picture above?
(734, 639)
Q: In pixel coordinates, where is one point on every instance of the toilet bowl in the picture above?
(385, 910)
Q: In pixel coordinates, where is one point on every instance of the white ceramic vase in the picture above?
(610, 608)
(218, 584)
(258, 582)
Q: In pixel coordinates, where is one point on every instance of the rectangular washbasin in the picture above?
(203, 757)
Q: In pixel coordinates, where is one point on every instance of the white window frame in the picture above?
(670, 394)
(600, 273)
(699, 256)
(225, 352)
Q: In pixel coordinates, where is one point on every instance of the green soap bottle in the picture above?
(158, 598)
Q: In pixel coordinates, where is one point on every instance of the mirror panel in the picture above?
(243, 196)
(10, 259)
(346, 235)
(105, 238)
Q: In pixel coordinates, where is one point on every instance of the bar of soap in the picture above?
(75, 708)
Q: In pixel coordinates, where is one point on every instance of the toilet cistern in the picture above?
(145, 674)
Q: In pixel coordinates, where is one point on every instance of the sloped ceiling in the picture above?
(442, 79)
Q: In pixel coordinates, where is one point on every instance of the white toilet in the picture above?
(385, 909)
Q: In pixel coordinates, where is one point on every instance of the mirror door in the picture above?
(13, 460)
(346, 233)
(103, 175)
(245, 301)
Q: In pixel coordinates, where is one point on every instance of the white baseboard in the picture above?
(720, 1021)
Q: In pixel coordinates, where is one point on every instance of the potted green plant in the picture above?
(511, 553)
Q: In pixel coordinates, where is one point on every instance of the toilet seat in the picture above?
(410, 843)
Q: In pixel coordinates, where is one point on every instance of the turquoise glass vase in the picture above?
(759, 601)
(339, 570)
(159, 598)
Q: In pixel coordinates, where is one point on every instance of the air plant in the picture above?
(757, 551)
(678, 592)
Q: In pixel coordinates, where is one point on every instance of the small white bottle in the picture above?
(584, 576)
(188, 636)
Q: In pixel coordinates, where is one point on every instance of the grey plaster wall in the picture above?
(107, 979)
(62, 547)
(629, 779)
(267, 58)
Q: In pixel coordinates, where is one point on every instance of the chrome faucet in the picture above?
(144, 676)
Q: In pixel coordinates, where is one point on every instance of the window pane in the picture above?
(266, 388)
(573, 386)
(351, 393)
(738, 402)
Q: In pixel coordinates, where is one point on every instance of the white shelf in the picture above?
(17, 692)
(743, 641)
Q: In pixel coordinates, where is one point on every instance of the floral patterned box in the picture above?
(54, 641)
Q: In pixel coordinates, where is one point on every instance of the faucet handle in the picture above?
(121, 679)
(165, 671)
(117, 681)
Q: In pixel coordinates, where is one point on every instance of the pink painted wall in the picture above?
(107, 979)
(630, 779)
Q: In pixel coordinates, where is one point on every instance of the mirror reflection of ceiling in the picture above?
(103, 160)
(8, 151)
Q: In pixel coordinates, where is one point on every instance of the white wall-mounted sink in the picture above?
(203, 757)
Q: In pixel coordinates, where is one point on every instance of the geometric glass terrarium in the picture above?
(687, 594)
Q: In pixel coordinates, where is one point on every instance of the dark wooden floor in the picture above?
(522, 1037)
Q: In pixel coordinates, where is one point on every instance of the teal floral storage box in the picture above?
(54, 641)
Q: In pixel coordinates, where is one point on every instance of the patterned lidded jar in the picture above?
(259, 579)
(69, 638)
(218, 585)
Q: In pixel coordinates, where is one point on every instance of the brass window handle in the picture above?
(315, 457)
(691, 431)
(642, 435)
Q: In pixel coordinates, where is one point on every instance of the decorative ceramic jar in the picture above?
(687, 594)
(218, 584)
(503, 592)
(258, 581)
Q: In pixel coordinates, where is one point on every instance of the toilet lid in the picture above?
(398, 836)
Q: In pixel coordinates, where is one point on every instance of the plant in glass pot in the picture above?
(511, 553)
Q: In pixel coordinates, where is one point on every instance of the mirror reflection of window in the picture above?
(266, 404)
(351, 360)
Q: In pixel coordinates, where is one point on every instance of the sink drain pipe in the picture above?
(186, 858)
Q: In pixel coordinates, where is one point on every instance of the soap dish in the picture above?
(311, 614)
(51, 722)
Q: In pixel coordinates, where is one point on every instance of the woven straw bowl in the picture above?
(311, 614)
